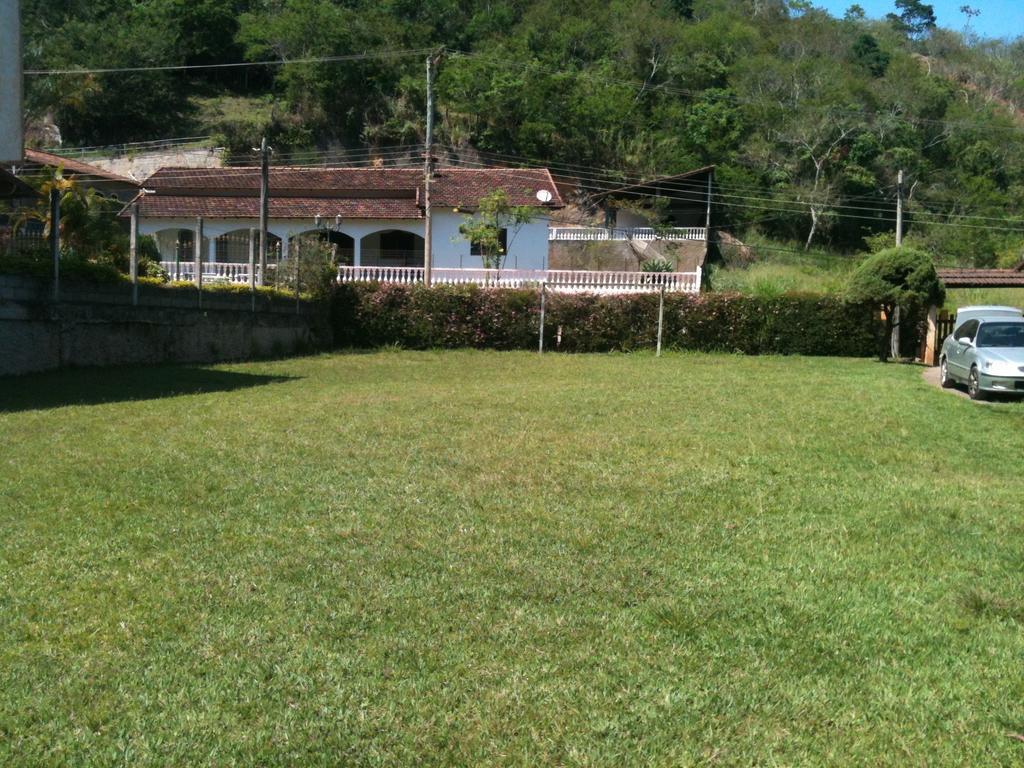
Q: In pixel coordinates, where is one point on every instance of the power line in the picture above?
(736, 98)
(697, 191)
(232, 65)
(685, 191)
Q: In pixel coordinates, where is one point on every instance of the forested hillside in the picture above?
(808, 117)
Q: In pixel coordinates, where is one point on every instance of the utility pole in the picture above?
(428, 171)
(894, 341)
(899, 209)
(264, 206)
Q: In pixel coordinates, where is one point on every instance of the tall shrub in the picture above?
(896, 277)
(371, 315)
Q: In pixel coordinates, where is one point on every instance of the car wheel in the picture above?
(974, 385)
(944, 379)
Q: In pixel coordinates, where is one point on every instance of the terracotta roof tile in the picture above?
(190, 206)
(393, 193)
(967, 278)
(38, 157)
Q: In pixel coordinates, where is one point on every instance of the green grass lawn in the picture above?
(479, 558)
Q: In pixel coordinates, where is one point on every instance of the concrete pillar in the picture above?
(284, 247)
(931, 339)
(357, 244)
(212, 250)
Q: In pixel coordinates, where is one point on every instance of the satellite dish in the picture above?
(544, 195)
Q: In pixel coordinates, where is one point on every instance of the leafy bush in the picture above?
(414, 317)
(37, 262)
(657, 264)
(894, 278)
(310, 265)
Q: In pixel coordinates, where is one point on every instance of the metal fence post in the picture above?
(55, 240)
(543, 295)
(198, 276)
(661, 316)
(298, 270)
(252, 266)
(133, 253)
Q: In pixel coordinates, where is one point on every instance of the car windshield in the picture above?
(1001, 335)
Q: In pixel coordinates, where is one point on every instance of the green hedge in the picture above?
(414, 317)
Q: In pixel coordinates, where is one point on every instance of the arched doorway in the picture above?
(342, 246)
(391, 248)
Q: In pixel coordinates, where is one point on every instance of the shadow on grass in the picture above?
(93, 386)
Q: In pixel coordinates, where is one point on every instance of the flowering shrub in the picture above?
(372, 315)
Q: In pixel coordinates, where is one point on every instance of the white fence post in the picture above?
(661, 317)
(543, 295)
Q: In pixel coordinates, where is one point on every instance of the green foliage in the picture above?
(869, 55)
(38, 263)
(657, 264)
(414, 317)
(915, 19)
(493, 226)
(309, 268)
(896, 278)
(807, 117)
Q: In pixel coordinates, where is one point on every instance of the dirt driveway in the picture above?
(931, 375)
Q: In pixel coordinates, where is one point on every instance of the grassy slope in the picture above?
(482, 558)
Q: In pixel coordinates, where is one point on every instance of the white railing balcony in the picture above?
(213, 271)
(644, 234)
(559, 280)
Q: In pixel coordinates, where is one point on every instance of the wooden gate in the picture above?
(940, 325)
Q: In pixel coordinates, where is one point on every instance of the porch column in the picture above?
(284, 247)
(211, 255)
(357, 243)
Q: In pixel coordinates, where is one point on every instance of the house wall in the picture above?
(528, 249)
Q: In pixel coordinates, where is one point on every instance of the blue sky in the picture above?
(999, 18)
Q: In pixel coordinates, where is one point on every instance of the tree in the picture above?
(896, 277)
(89, 228)
(867, 53)
(494, 225)
(915, 20)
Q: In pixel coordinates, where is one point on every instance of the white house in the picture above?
(375, 216)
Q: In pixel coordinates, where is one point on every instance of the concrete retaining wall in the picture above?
(97, 325)
(625, 256)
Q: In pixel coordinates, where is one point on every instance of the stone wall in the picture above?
(142, 164)
(97, 325)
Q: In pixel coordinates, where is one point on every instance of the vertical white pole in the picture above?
(252, 266)
(198, 276)
(661, 317)
(543, 294)
(133, 253)
(264, 205)
(428, 171)
(298, 270)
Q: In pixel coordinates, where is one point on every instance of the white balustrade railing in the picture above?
(590, 234)
(560, 280)
(213, 271)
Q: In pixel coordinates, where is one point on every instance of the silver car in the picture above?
(985, 352)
